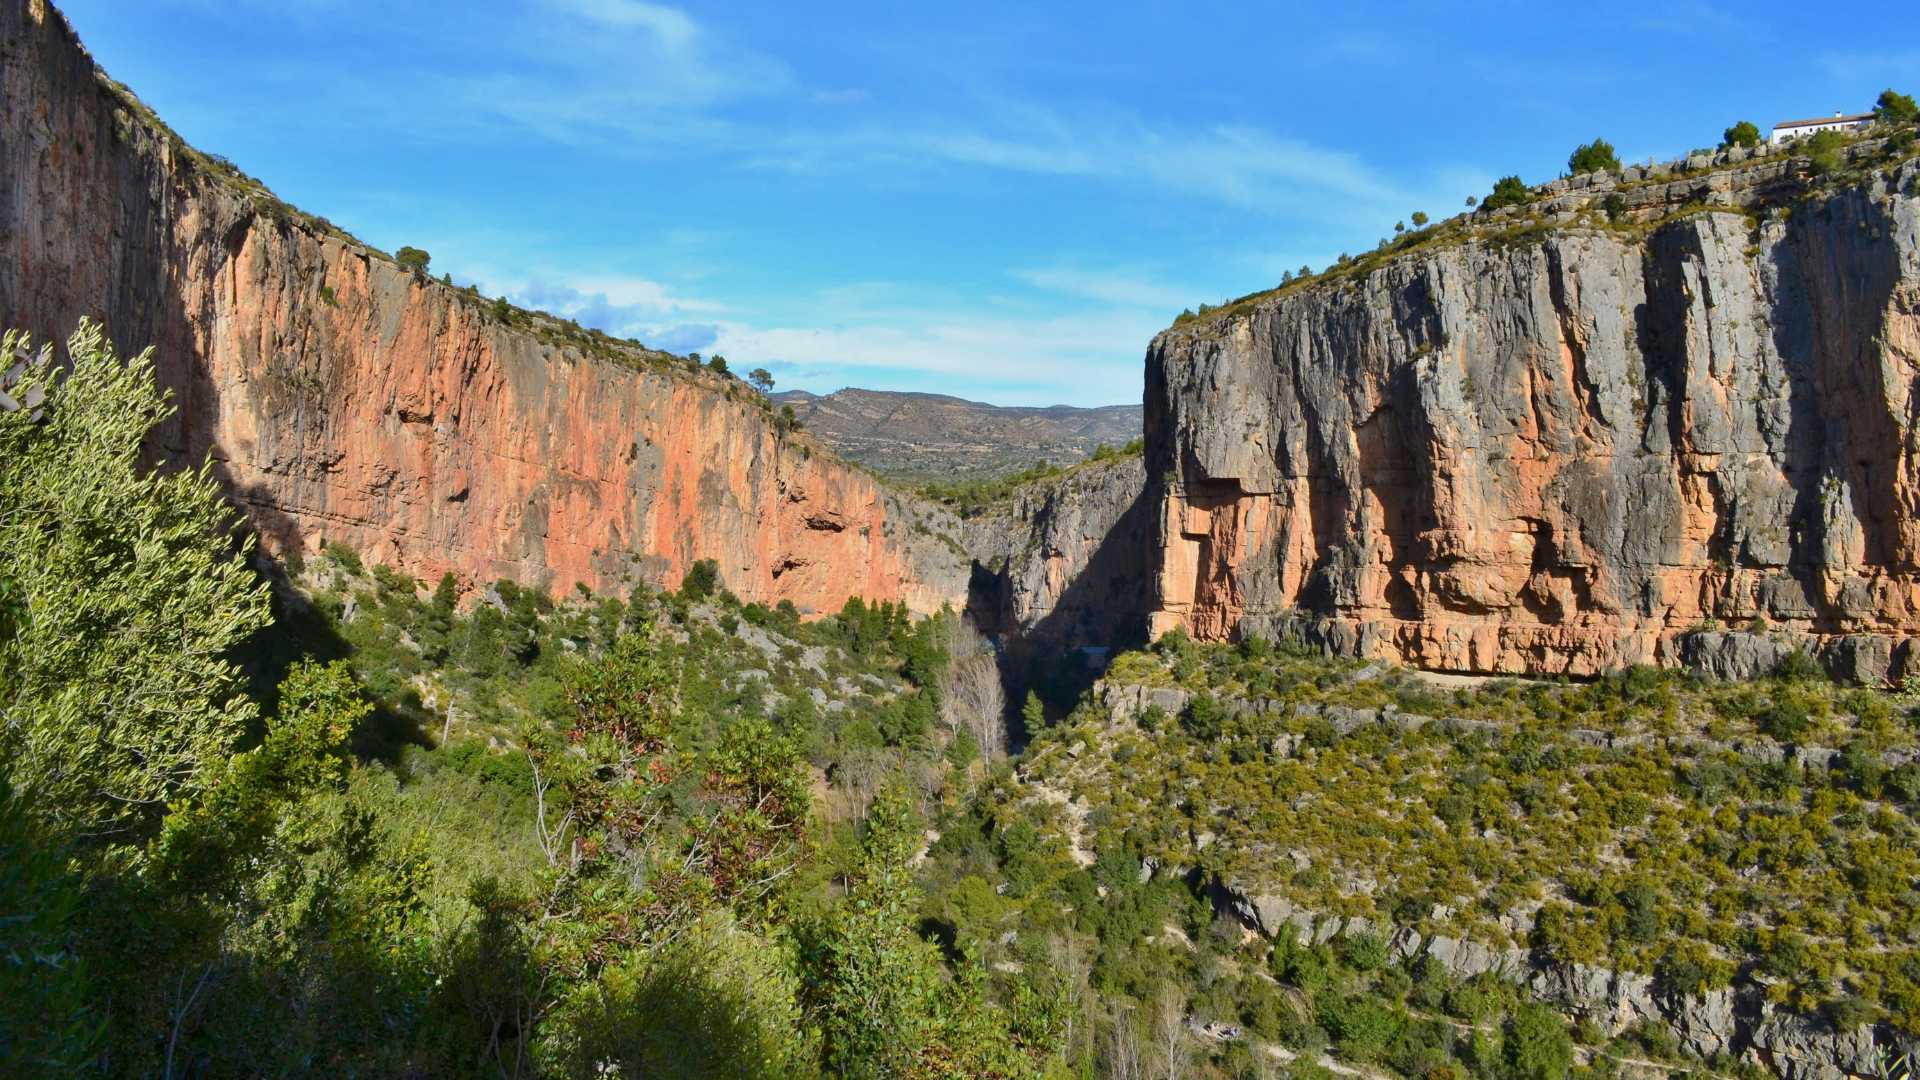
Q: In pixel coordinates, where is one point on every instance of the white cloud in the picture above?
(1240, 165)
(1086, 357)
(1108, 287)
(671, 26)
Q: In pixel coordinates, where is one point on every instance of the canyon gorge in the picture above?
(1544, 440)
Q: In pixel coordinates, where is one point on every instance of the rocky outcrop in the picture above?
(1066, 560)
(346, 399)
(1730, 1024)
(1565, 446)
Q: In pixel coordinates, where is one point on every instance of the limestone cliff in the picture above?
(1555, 441)
(345, 399)
(1066, 561)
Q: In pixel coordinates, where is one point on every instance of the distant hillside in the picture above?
(932, 436)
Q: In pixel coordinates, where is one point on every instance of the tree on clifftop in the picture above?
(1743, 133)
(1596, 156)
(413, 259)
(1507, 191)
(1895, 108)
(762, 380)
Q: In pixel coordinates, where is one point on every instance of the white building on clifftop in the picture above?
(1788, 130)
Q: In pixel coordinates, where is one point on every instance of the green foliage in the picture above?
(133, 593)
(701, 580)
(1896, 108)
(1537, 1045)
(1419, 219)
(761, 380)
(49, 1027)
(1743, 133)
(1643, 819)
(605, 870)
(1204, 719)
(1596, 156)
(873, 988)
(413, 260)
(719, 1001)
(1033, 715)
(1507, 191)
(717, 365)
(1825, 150)
(971, 498)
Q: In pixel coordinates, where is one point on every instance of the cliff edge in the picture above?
(346, 399)
(1651, 418)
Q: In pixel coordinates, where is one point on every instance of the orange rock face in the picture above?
(345, 400)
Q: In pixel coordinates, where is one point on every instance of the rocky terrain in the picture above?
(1323, 800)
(935, 437)
(345, 399)
(1565, 437)
(1065, 559)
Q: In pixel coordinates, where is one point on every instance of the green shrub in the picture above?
(1825, 150)
(1743, 133)
(1596, 156)
(701, 580)
(1537, 1045)
(1896, 108)
(1798, 666)
(1363, 951)
(1204, 718)
(1507, 191)
(1361, 1027)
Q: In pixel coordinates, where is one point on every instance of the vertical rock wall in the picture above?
(344, 399)
(1566, 449)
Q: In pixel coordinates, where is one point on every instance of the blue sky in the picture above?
(1000, 201)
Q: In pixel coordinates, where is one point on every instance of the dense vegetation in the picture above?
(350, 824)
(1652, 821)
(407, 838)
(1648, 821)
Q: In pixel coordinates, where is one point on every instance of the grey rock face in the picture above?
(1569, 451)
(1737, 1022)
(1068, 560)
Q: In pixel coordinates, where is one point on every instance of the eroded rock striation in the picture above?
(1067, 560)
(1572, 445)
(345, 398)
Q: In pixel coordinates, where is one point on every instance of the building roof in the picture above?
(1834, 119)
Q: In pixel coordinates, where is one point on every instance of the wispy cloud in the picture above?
(1238, 164)
(1872, 65)
(626, 307)
(1122, 289)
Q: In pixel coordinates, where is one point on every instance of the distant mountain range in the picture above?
(933, 436)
